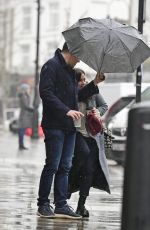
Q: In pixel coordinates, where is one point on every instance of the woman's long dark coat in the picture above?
(101, 172)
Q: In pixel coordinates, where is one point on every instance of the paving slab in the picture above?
(19, 178)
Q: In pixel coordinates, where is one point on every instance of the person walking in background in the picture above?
(25, 117)
(59, 94)
(89, 167)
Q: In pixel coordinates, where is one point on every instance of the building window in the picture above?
(53, 15)
(25, 49)
(26, 19)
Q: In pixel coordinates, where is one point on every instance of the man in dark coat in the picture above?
(58, 91)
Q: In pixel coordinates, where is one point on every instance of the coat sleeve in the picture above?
(87, 91)
(47, 91)
(101, 105)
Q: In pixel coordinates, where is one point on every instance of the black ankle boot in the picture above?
(82, 211)
(81, 208)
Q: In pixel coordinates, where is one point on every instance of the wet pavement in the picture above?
(19, 178)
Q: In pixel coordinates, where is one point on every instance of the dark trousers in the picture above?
(59, 151)
(21, 132)
(86, 158)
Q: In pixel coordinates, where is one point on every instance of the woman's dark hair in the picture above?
(65, 47)
(78, 73)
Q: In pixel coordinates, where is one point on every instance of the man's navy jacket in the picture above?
(59, 93)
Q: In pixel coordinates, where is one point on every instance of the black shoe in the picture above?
(83, 212)
(23, 148)
(46, 211)
(66, 212)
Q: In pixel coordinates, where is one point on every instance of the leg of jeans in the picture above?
(54, 140)
(21, 132)
(61, 178)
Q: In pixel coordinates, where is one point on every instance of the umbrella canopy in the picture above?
(106, 45)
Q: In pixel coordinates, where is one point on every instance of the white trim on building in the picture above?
(56, 16)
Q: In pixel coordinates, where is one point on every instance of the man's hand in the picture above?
(99, 78)
(75, 114)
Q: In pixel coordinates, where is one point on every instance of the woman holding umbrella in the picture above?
(89, 168)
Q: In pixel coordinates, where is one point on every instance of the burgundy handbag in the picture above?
(94, 124)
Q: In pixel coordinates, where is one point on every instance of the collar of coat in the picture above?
(61, 60)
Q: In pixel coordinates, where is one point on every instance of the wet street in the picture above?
(19, 179)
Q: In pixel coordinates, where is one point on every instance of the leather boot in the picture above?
(81, 210)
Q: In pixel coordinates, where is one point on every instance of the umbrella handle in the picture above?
(99, 78)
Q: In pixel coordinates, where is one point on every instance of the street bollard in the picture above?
(136, 192)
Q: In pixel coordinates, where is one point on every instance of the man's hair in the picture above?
(65, 47)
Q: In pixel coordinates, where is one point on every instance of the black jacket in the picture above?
(59, 93)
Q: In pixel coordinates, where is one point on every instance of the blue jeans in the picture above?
(21, 132)
(59, 146)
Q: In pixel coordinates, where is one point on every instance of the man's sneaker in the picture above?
(46, 211)
(83, 212)
(66, 212)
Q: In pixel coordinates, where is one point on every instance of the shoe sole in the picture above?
(85, 218)
(67, 217)
(50, 217)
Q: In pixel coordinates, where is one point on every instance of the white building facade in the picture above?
(19, 42)
(18, 28)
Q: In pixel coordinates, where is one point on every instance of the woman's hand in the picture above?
(94, 111)
(99, 78)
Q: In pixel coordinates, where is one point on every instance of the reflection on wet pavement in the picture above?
(20, 172)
